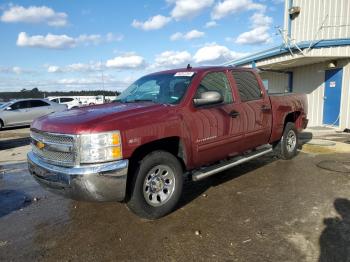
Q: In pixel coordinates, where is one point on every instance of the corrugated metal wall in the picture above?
(310, 80)
(345, 99)
(320, 19)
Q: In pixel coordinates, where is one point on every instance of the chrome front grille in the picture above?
(57, 149)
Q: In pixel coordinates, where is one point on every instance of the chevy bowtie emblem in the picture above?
(40, 145)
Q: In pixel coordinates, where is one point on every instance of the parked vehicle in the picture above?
(78, 101)
(22, 112)
(192, 122)
(71, 102)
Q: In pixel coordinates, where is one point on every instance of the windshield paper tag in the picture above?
(189, 74)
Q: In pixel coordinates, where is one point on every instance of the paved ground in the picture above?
(266, 210)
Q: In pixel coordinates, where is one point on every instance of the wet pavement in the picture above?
(265, 210)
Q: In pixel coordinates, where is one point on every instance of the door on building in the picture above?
(332, 96)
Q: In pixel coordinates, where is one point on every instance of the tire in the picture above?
(1, 124)
(287, 147)
(156, 186)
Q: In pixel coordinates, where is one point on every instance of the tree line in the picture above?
(36, 93)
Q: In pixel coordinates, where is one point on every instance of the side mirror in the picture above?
(208, 98)
(8, 108)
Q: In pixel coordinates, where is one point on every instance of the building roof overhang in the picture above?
(293, 51)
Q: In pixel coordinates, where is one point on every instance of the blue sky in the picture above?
(82, 45)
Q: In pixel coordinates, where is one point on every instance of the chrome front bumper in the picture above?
(102, 182)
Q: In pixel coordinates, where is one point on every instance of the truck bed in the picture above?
(282, 104)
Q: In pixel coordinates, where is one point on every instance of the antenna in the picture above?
(287, 41)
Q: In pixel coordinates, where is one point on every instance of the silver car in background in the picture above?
(22, 112)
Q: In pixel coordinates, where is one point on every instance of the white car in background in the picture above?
(22, 112)
(71, 102)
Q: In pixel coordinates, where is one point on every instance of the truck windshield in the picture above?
(158, 88)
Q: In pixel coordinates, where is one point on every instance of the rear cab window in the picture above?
(247, 85)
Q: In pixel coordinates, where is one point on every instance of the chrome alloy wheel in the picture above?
(291, 140)
(159, 185)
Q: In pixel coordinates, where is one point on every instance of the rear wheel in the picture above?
(1, 124)
(287, 147)
(157, 185)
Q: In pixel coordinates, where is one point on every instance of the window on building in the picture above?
(247, 85)
(266, 84)
(216, 81)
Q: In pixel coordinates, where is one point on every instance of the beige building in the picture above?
(314, 58)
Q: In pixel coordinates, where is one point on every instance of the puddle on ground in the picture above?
(336, 166)
(12, 200)
(316, 149)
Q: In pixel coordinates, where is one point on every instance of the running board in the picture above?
(214, 169)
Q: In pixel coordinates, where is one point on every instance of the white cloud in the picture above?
(110, 37)
(176, 36)
(187, 36)
(54, 69)
(168, 59)
(153, 23)
(49, 41)
(34, 15)
(52, 41)
(14, 70)
(126, 61)
(259, 33)
(227, 7)
(77, 67)
(91, 82)
(259, 19)
(188, 8)
(89, 39)
(210, 24)
(215, 54)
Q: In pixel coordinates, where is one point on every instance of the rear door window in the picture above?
(37, 103)
(247, 85)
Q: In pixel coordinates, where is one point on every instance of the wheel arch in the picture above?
(293, 117)
(173, 145)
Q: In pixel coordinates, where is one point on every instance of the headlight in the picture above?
(100, 147)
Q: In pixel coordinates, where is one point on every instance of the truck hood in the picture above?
(98, 118)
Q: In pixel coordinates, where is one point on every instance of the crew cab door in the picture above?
(255, 108)
(216, 130)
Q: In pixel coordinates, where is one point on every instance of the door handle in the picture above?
(233, 114)
(265, 108)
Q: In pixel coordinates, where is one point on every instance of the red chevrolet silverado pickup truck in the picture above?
(192, 122)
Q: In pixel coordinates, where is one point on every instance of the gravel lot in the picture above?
(266, 210)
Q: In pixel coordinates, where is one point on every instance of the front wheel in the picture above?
(287, 147)
(157, 185)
